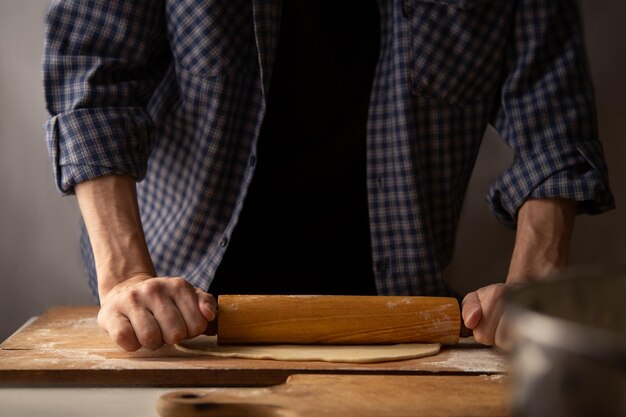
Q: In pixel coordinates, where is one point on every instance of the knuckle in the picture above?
(483, 338)
(150, 338)
(483, 292)
(151, 341)
(124, 338)
(198, 328)
(133, 297)
(153, 287)
(175, 336)
(179, 284)
(491, 293)
(499, 289)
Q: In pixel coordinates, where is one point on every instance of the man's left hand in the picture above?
(482, 312)
(544, 228)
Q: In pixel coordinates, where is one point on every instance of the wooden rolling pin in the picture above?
(326, 319)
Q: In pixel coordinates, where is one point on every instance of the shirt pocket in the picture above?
(211, 37)
(457, 47)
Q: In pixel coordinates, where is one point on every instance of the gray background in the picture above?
(39, 263)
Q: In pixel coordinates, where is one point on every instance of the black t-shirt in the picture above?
(304, 227)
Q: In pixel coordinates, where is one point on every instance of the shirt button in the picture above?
(252, 160)
(224, 242)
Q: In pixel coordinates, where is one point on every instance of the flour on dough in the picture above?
(207, 345)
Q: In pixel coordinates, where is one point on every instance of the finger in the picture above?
(169, 319)
(146, 328)
(121, 331)
(502, 338)
(156, 296)
(186, 302)
(492, 311)
(207, 305)
(472, 310)
(103, 316)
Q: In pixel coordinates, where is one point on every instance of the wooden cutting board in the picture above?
(65, 346)
(349, 395)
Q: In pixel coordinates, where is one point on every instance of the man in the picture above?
(311, 147)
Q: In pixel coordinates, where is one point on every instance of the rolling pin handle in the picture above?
(465, 332)
(211, 329)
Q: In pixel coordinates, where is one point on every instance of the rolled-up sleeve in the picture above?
(102, 62)
(546, 114)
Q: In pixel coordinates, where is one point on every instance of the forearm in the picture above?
(544, 228)
(109, 208)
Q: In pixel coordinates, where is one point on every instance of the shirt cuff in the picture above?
(578, 173)
(88, 143)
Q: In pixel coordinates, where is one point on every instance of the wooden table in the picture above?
(65, 348)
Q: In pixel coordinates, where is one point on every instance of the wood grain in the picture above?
(326, 319)
(65, 347)
(349, 395)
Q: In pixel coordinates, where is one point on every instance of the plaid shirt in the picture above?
(174, 94)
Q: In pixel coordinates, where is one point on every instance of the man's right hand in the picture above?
(144, 311)
(137, 309)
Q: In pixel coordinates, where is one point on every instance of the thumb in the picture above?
(207, 304)
(472, 311)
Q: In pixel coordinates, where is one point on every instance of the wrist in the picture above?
(542, 239)
(111, 214)
(119, 256)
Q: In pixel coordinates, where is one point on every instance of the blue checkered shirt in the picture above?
(174, 93)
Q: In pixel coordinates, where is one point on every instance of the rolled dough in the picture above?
(207, 345)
